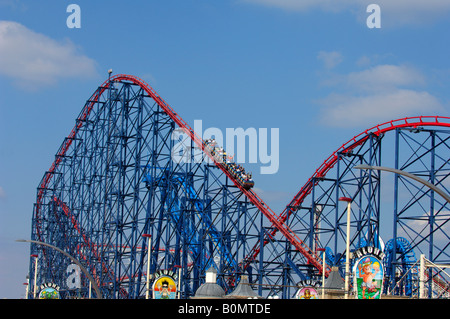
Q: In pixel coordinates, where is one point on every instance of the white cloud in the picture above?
(333, 5)
(34, 60)
(382, 77)
(414, 11)
(330, 59)
(12, 4)
(394, 12)
(302, 5)
(2, 193)
(376, 95)
(370, 110)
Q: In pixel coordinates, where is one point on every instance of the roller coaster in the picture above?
(115, 182)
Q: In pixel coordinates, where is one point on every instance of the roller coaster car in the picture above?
(247, 183)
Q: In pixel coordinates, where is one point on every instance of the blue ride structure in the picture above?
(133, 169)
(176, 207)
(383, 205)
(406, 267)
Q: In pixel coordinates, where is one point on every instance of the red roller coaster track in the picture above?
(328, 164)
(408, 122)
(255, 199)
(278, 221)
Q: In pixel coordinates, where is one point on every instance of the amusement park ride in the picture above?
(114, 184)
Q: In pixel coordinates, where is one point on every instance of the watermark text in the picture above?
(374, 19)
(74, 19)
(241, 146)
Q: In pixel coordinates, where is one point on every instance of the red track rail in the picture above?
(408, 122)
(278, 223)
(328, 164)
(255, 199)
(62, 151)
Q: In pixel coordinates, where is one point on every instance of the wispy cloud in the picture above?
(12, 4)
(372, 109)
(330, 59)
(33, 60)
(398, 12)
(376, 94)
(300, 5)
(384, 77)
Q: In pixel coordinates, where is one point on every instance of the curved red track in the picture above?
(408, 122)
(328, 164)
(254, 198)
(278, 221)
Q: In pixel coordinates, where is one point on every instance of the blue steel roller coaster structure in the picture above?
(115, 180)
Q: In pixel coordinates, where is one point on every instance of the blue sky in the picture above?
(313, 69)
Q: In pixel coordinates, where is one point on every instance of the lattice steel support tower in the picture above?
(132, 167)
(409, 216)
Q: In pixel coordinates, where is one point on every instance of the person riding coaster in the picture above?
(236, 170)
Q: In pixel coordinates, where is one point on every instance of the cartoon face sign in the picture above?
(49, 293)
(307, 293)
(368, 277)
(164, 288)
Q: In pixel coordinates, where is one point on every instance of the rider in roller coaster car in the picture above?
(238, 172)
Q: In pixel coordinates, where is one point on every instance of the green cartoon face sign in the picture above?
(49, 291)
